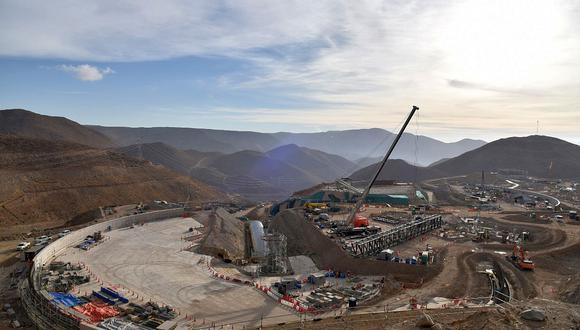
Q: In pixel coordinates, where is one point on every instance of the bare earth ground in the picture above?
(153, 266)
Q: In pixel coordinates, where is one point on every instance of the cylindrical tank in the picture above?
(257, 233)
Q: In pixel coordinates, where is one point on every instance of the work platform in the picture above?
(376, 243)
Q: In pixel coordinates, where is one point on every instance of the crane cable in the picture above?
(416, 164)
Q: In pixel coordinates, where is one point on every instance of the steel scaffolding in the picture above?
(276, 257)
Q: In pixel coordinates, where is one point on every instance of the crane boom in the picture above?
(361, 200)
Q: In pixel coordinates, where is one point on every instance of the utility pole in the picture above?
(383, 163)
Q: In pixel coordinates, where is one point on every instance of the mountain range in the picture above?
(538, 156)
(53, 168)
(252, 174)
(350, 144)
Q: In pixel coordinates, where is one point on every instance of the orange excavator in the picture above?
(520, 258)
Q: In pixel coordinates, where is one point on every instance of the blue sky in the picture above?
(188, 91)
(478, 69)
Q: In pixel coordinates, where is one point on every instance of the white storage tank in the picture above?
(257, 233)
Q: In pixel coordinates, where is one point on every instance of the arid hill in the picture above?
(539, 156)
(350, 144)
(251, 174)
(324, 165)
(397, 170)
(53, 181)
(162, 154)
(29, 124)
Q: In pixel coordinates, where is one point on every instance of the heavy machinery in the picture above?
(520, 258)
(356, 220)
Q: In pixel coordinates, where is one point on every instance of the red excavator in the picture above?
(520, 258)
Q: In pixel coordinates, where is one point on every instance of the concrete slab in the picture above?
(148, 262)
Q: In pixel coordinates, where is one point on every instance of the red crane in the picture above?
(356, 220)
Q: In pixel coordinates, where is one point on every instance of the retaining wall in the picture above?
(41, 310)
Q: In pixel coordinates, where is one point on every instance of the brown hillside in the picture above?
(398, 170)
(29, 124)
(540, 156)
(44, 181)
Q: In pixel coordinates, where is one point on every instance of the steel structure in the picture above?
(376, 243)
(276, 255)
(365, 193)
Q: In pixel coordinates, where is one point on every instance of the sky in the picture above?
(477, 69)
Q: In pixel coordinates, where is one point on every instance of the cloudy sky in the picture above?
(478, 69)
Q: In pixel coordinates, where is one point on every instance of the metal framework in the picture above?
(43, 313)
(275, 261)
(376, 243)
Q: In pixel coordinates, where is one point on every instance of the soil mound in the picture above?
(225, 236)
(305, 239)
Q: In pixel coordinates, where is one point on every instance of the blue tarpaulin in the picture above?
(66, 299)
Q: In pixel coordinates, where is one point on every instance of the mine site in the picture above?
(362, 165)
(366, 251)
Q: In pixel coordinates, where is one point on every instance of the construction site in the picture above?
(458, 253)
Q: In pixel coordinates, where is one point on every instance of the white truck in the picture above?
(22, 246)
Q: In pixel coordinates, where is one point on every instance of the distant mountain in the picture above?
(374, 142)
(539, 156)
(53, 181)
(276, 173)
(29, 124)
(439, 162)
(204, 140)
(350, 144)
(252, 174)
(163, 154)
(366, 161)
(325, 166)
(397, 170)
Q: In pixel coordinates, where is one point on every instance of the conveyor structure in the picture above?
(374, 244)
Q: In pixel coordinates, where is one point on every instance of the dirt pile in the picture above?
(570, 291)
(225, 236)
(52, 182)
(488, 319)
(564, 261)
(305, 239)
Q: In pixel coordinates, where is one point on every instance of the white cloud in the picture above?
(475, 63)
(86, 72)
